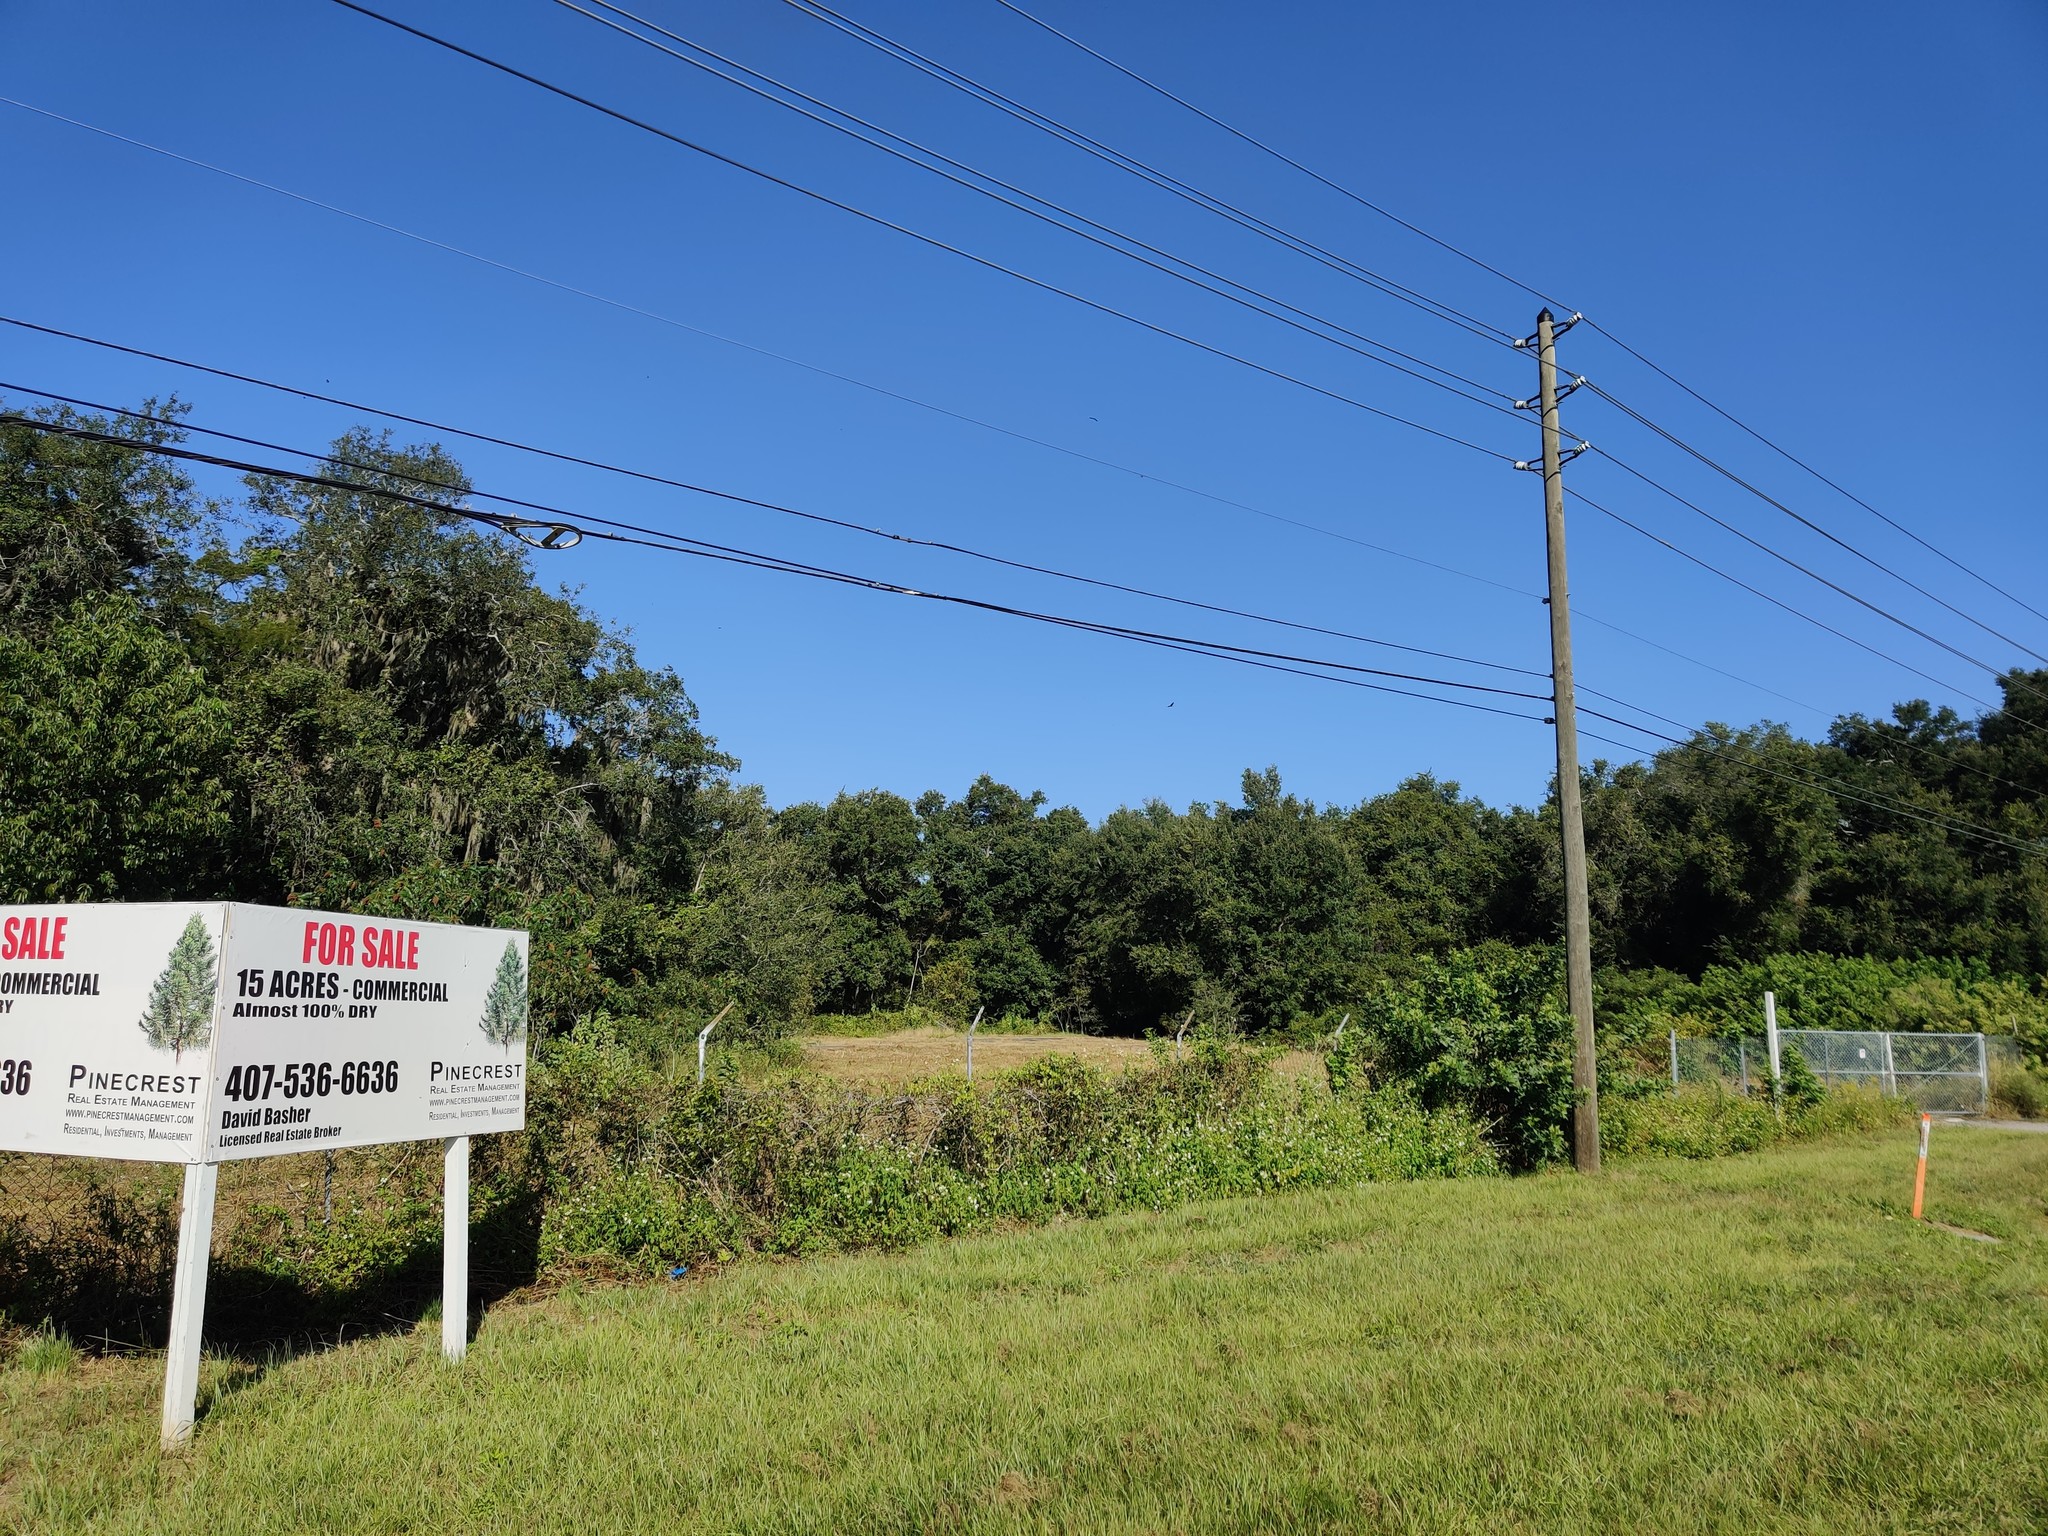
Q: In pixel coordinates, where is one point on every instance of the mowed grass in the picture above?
(905, 1056)
(1762, 1343)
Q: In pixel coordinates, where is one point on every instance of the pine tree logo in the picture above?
(504, 1019)
(180, 1016)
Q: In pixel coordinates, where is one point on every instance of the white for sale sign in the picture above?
(200, 1032)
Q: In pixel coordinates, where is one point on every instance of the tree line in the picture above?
(328, 697)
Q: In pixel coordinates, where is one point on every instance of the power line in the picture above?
(659, 539)
(1777, 602)
(1806, 522)
(903, 229)
(1533, 292)
(1031, 116)
(1284, 158)
(748, 501)
(623, 306)
(1786, 454)
(1946, 762)
(564, 522)
(868, 137)
(1831, 787)
(2002, 674)
(430, 424)
(683, 325)
(618, 532)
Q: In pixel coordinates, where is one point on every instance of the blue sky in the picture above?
(1827, 218)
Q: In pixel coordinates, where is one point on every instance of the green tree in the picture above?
(81, 520)
(180, 1013)
(114, 761)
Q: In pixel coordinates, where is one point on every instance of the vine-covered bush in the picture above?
(1485, 1033)
(800, 1166)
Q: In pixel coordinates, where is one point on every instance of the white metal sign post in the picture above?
(1771, 1041)
(200, 1033)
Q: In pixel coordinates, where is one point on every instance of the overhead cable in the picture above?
(1947, 761)
(1786, 454)
(1831, 787)
(2003, 674)
(570, 530)
(933, 241)
(1031, 116)
(431, 424)
(1807, 522)
(1775, 602)
(1280, 155)
(560, 528)
(574, 527)
(1533, 292)
(526, 274)
(1105, 236)
(652, 478)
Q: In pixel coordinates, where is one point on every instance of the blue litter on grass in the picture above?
(679, 1271)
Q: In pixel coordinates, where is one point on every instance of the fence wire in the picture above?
(1942, 1073)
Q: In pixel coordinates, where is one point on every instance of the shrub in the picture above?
(1488, 1035)
(1711, 1120)
(1849, 1110)
(800, 1166)
(1817, 991)
(2019, 1093)
(1797, 1084)
(1346, 1063)
(1699, 1120)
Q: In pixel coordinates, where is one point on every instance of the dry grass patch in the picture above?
(888, 1061)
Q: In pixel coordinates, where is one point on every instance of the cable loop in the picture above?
(541, 535)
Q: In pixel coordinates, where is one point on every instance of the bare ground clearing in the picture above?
(914, 1053)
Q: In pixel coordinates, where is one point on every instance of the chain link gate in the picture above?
(1941, 1073)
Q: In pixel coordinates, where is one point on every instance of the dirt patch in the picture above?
(1970, 1232)
(914, 1053)
(910, 1054)
(1013, 1492)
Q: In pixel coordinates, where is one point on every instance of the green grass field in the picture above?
(1762, 1343)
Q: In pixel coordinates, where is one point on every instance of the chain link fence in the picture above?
(1946, 1074)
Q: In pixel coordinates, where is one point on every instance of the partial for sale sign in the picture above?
(201, 1032)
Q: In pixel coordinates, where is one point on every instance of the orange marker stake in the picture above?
(1920, 1176)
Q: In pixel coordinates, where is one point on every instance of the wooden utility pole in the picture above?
(1578, 926)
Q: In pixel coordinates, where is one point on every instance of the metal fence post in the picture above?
(1891, 1072)
(1983, 1077)
(1742, 1061)
(972, 1025)
(1674, 1058)
(703, 1035)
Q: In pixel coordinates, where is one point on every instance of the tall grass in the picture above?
(651, 1172)
(1754, 1344)
(1712, 1120)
